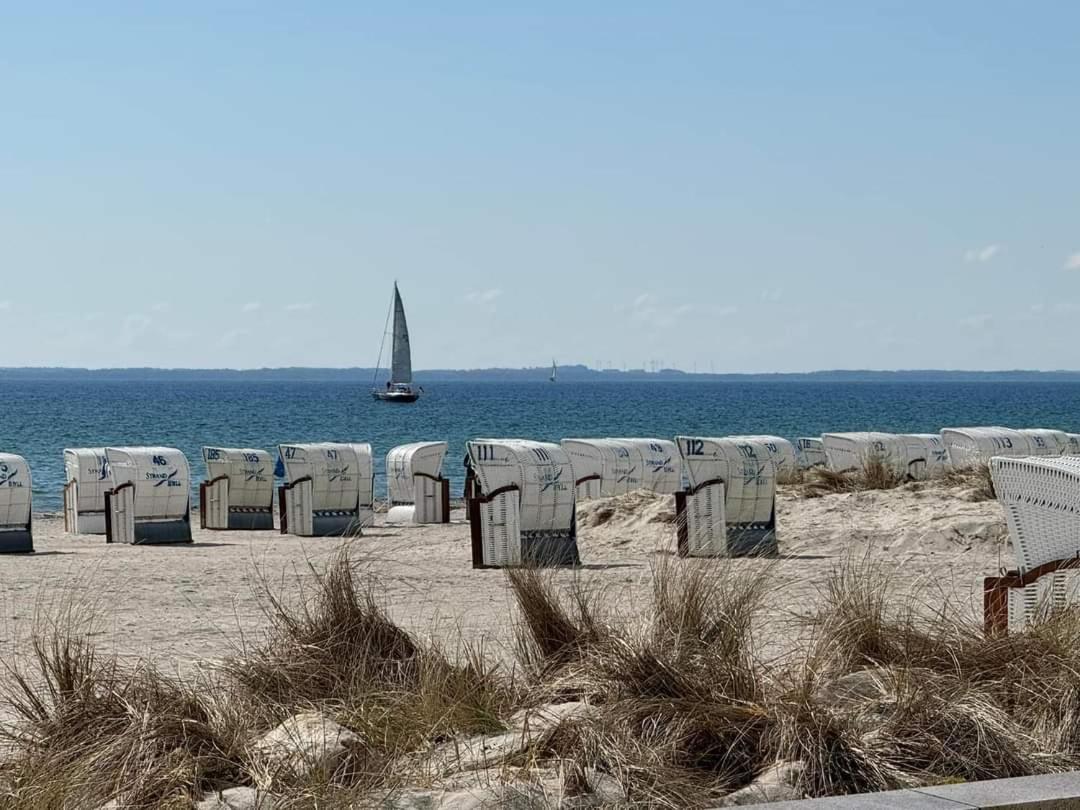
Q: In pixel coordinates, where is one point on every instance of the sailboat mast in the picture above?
(382, 343)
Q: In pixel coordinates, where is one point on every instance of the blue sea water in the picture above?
(39, 419)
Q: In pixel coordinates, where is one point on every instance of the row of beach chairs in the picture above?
(142, 494)
(521, 495)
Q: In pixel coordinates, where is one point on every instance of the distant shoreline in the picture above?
(567, 374)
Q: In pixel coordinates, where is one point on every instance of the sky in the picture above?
(726, 186)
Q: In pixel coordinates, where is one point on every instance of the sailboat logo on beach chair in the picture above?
(7, 476)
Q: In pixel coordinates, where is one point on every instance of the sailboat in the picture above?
(399, 388)
(554, 372)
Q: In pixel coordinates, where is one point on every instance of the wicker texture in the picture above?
(1041, 499)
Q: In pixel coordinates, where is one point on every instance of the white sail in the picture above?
(401, 365)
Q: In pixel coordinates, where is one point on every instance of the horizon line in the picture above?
(579, 367)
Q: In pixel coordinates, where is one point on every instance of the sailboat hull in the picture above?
(396, 396)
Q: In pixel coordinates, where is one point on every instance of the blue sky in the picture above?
(759, 186)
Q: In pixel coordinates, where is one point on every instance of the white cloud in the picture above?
(1073, 262)
(482, 296)
(160, 307)
(299, 307)
(981, 255)
(4, 306)
(251, 306)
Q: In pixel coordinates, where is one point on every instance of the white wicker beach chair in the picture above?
(1046, 442)
(328, 490)
(149, 499)
(238, 492)
(16, 522)
(729, 509)
(926, 455)
(850, 451)
(810, 452)
(87, 480)
(1073, 448)
(415, 487)
(1041, 498)
(975, 446)
(589, 458)
(521, 503)
(607, 467)
(781, 451)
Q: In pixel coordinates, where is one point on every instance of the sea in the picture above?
(40, 418)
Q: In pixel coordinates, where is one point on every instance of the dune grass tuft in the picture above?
(879, 692)
(976, 480)
(874, 473)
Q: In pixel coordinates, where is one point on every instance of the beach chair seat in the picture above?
(1041, 499)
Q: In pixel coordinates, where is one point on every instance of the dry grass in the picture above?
(977, 482)
(873, 474)
(336, 650)
(881, 692)
(89, 730)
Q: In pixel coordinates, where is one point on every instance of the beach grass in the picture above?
(872, 474)
(878, 692)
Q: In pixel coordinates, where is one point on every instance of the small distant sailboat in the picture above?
(399, 388)
(554, 373)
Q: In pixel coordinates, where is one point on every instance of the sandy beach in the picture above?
(179, 605)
